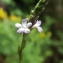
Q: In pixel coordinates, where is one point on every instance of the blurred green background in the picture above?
(45, 47)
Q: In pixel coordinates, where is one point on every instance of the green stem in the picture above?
(33, 16)
(21, 48)
(38, 9)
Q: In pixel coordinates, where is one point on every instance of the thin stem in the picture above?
(21, 48)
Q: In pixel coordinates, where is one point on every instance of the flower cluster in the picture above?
(25, 26)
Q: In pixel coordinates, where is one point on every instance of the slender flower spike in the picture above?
(37, 25)
(24, 27)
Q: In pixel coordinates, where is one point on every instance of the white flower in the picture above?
(24, 27)
(37, 25)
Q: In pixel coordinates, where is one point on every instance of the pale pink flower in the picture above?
(37, 25)
(24, 27)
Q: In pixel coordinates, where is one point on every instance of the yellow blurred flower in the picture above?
(49, 33)
(42, 35)
(15, 18)
(3, 14)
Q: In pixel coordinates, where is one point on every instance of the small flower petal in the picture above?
(27, 31)
(29, 24)
(20, 30)
(38, 23)
(18, 25)
(24, 21)
(39, 29)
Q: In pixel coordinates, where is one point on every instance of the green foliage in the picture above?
(39, 46)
